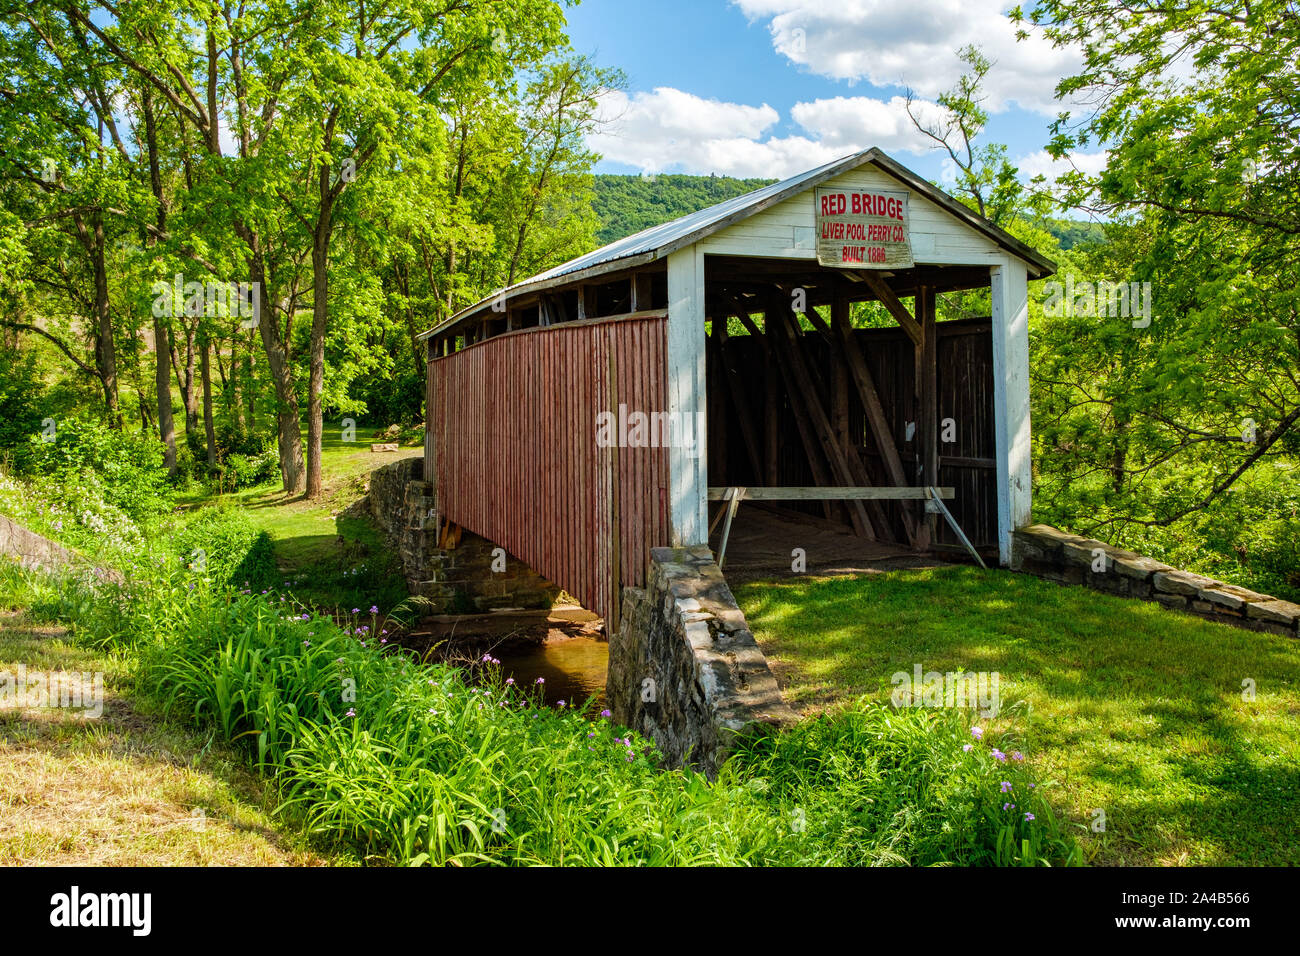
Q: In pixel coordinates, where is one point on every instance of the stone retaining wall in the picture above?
(31, 550)
(458, 579)
(1070, 559)
(684, 669)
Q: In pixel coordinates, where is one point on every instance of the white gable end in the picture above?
(788, 229)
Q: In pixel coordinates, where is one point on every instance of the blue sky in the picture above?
(772, 87)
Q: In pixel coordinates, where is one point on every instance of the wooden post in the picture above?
(587, 308)
(740, 400)
(687, 397)
(839, 393)
(717, 403)
(640, 292)
(1009, 286)
(927, 426)
(771, 343)
(892, 304)
(771, 415)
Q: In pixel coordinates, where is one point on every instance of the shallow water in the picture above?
(573, 669)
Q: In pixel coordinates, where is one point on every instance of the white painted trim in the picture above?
(687, 395)
(1010, 289)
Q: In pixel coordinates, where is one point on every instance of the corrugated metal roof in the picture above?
(658, 241)
(658, 237)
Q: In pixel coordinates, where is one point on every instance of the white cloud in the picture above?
(914, 45)
(855, 122)
(1042, 163)
(670, 130)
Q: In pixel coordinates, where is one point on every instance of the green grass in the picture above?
(126, 788)
(388, 760)
(336, 557)
(1129, 708)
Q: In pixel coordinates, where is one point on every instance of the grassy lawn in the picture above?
(317, 542)
(1124, 706)
(123, 789)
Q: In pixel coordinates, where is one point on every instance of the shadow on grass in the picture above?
(1138, 710)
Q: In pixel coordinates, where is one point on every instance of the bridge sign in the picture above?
(862, 229)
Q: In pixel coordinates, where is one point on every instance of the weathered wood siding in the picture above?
(512, 432)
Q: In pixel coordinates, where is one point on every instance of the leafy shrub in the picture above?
(241, 471)
(129, 465)
(20, 396)
(225, 546)
(74, 512)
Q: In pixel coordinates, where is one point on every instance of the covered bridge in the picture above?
(591, 412)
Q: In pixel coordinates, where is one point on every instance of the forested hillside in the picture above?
(628, 204)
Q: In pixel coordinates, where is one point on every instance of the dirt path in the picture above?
(124, 788)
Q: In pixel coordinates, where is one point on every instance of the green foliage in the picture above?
(74, 511)
(241, 471)
(1180, 436)
(1117, 703)
(407, 763)
(922, 776)
(127, 467)
(224, 546)
(628, 204)
(20, 397)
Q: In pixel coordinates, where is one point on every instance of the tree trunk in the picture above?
(163, 387)
(105, 353)
(236, 389)
(209, 429)
(250, 362)
(185, 378)
(289, 434)
(316, 382)
(191, 393)
(161, 340)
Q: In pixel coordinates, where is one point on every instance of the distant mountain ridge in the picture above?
(628, 204)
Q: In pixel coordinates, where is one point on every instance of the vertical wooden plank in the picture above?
(717, 460)
(927, 426)
(771, 409)
(1010, 292)
(687, 395)
(641, 292)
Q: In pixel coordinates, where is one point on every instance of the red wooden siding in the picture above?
(512, 431)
